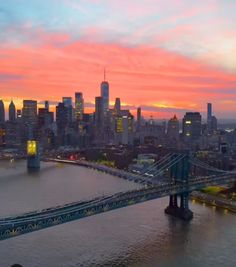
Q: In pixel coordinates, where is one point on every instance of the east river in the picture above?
(139, 235)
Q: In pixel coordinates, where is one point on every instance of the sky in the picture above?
(168, 57)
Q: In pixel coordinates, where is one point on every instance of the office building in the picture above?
(209, 117)
(214, 124)
(79, 106)
(192, 125)
(29, 118)
(68, 103)
(99, 115)
(2, 112)
(12, 112)
(117, 106)
(173, 128)
(138, 119)
(124, 128)
(209, 111)
(105, 95)
(46, 105)
(62, 121)
(18, 114)
(99, 120)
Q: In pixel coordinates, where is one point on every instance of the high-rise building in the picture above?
(79, 106)
(209, 111)
(117, 106)
(209, 117)
(62, 121)
(173, 128)
(99, 115)
(105, 94)
(192, 125)
(46, 105)
(67, 100)
(124, 128)
(214, 124)
(2, 135)
(18, 114)
(2, 112)
(99, 121)
(138, 119)
(29, 117)
(12, 112)
(68, 103)
(45, 118)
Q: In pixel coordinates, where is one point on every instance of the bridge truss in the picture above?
(171, 176)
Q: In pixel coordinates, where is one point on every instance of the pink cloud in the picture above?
(139, 75)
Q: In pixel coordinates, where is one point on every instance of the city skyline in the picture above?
(161, 58)
(89, 107)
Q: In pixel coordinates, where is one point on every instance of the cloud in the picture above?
(202, 29)
(140, 75)
(7, 77)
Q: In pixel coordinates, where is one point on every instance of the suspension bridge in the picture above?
(174, 175)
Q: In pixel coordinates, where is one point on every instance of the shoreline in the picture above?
(214, 201)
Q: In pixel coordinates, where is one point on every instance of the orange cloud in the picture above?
(140, 75)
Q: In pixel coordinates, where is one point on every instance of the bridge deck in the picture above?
(29, 222)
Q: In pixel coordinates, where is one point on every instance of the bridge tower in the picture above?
(179, 173)
(33, 160)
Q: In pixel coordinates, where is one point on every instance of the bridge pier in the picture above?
(172, 209)
(179, 173)
(33, 160)
(183, 212)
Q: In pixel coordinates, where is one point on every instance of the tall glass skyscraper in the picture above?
(29, 117)
(12, 112)
(209, 111)
(105, 94)
(79, 106)
(67, 100)
(209, 116)
(2, 112)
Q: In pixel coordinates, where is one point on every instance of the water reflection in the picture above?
(140, 235)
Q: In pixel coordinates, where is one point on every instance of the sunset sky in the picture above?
(168, 57)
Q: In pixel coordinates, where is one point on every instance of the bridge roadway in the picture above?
(140, 179)
(33, 221)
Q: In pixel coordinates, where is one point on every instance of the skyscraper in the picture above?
(18, 114)
(29, 117)
(99, 120)
(12, 112)
(2, 112)
(67, 100)
(138, 119)
(99, 115)
(192, 125)
(105, 94)
(209, 111)
(68, 103)
(117, 106)
(62, 121)
(46, 105)
(173, 128)
(209, 117)
(13, 129)
(124, 128)
(79, 106)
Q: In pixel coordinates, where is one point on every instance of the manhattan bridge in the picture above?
(174, 175)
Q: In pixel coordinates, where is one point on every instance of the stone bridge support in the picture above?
(179, 174)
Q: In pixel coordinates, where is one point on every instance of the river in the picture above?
(140, 235)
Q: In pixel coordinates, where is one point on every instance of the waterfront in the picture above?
(141, 235)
